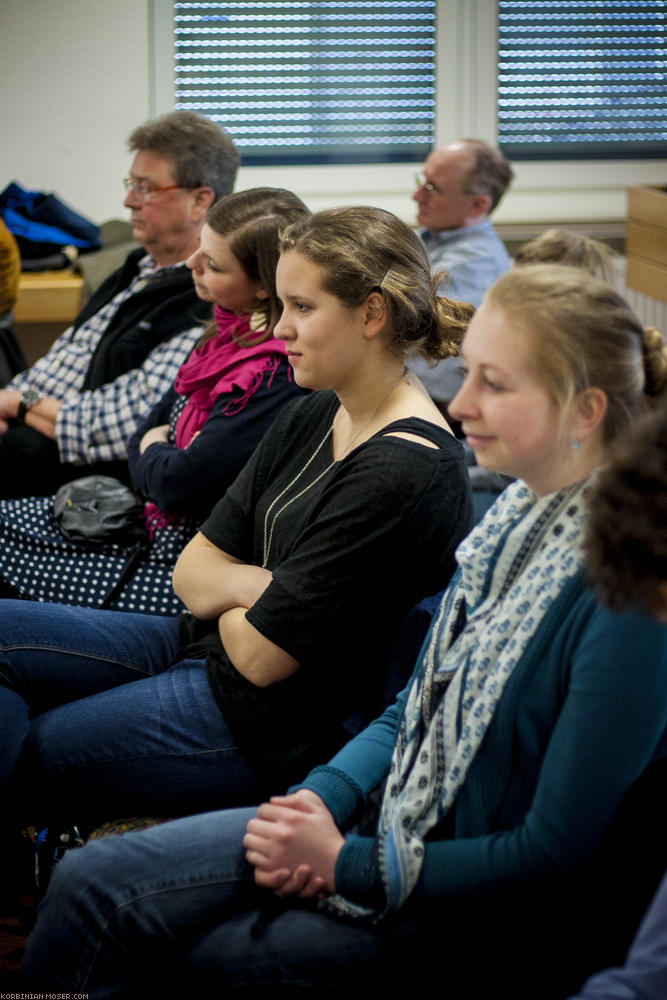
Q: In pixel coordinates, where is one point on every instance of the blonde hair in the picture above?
(584, 335)
(362, 249)
(562, 246)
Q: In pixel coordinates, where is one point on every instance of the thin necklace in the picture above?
(268, 533)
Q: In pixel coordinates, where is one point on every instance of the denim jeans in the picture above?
(102, 726)
(138, 914)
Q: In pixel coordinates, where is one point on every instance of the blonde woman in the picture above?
(500, 770)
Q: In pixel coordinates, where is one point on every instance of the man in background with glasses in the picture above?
(459, 187)
(73, 411)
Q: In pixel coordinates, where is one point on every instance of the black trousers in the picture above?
(30, 465)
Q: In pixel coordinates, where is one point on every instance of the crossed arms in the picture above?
(213, 584)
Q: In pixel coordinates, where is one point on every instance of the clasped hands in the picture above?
(43, 415)
(293, 844)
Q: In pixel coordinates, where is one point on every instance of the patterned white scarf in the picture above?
(513, 566)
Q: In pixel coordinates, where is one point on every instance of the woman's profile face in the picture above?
(219, 277)
(323, 337)
(509, 419)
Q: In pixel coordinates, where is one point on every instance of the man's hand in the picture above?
(293, 844)
(9, 407)
(41, 417)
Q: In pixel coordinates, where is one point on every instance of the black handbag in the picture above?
(100, 510)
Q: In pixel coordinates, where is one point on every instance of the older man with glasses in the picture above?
(459, 187)
(73, 411)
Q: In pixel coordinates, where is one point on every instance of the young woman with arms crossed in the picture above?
(348, 513)
(501, 767)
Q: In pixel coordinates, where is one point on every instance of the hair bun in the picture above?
(654, 354)
(451, 322)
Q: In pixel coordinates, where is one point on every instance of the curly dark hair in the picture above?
(625, 543)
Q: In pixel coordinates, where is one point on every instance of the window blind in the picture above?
(582, 79)
(311, 82)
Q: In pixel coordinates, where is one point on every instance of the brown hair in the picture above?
(625, 541)
(561, 246)
(363, 249)
(202, 154)
(583, 335)
(251, 222)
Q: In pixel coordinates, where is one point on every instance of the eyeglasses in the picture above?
(421, 182)
(146, 190)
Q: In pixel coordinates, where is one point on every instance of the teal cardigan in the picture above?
(579, 720)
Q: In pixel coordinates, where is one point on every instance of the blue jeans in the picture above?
(129, 915)
(102, 726)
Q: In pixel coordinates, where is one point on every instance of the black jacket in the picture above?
(167, 305)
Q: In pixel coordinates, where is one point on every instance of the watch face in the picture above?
(29, 397)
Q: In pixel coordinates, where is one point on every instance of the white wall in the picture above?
(76, 78)
(75, 81)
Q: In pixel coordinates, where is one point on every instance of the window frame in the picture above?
(303, 54)
(543, 191)
(531, 31)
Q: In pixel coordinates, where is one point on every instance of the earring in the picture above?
(576, 445)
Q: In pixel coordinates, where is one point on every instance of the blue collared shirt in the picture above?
(473, 258)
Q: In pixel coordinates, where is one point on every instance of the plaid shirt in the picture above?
(94, 426)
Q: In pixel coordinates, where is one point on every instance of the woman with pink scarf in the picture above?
(194, 442)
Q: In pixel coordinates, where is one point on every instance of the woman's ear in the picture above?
(261, 293)
(589, 412)
(375, 314)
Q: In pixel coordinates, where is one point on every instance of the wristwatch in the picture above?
(28, 398)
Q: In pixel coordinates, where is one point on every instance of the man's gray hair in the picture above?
(202, 154)
(490, 173)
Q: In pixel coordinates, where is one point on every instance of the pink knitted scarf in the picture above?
(218, 366)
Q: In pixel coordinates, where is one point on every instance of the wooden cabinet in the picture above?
(48, 297)
(47, 303)
(646, 241)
